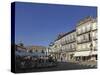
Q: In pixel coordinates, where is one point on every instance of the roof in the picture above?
(85, 20)
(66, 34)
(36, 47)
(23, 53)
(20, 47)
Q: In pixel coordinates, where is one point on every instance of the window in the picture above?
(94, 26)
(68, 38)
(71, 38)
(88, 27)
(79, 30)
(95, 44)
(42, 51)
(79, 47)
(83, 29)
(85, 37)
(83, 47)
(74, 36)
(89, 36)
(62, 47)
(36, 50)
(88, 46)
(66, 47)
(94, 35)
(79, 39)
(82, 38)
(73, 46)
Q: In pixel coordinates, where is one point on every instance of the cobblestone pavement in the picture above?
(60, 66)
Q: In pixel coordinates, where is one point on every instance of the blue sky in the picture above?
(39, 24)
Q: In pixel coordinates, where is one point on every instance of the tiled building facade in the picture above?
(79, 44)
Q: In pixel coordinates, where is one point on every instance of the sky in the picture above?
(39, 24)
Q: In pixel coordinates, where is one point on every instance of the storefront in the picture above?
(85, 55)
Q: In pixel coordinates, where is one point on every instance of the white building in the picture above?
(55, 48)
(64, 46)
(79, 44)
(86, 32)
(68, 43)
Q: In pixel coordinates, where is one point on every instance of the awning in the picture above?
(85, 53)
(82, 53)
(94, 53)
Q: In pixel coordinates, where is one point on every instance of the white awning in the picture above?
(85, 53)
(94, 53)
(82, 53)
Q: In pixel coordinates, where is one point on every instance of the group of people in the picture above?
(35, 62)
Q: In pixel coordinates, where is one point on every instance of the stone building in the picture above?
(86, 32)
(68, 43)
(20, 48)
(64, 46)
(79, 44)
(38, 49)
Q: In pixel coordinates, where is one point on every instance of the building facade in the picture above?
(79, 44)
(38, 49)
(20, 48)
(68, 43)
(86, 32)
(64, 46)
(55, 48)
